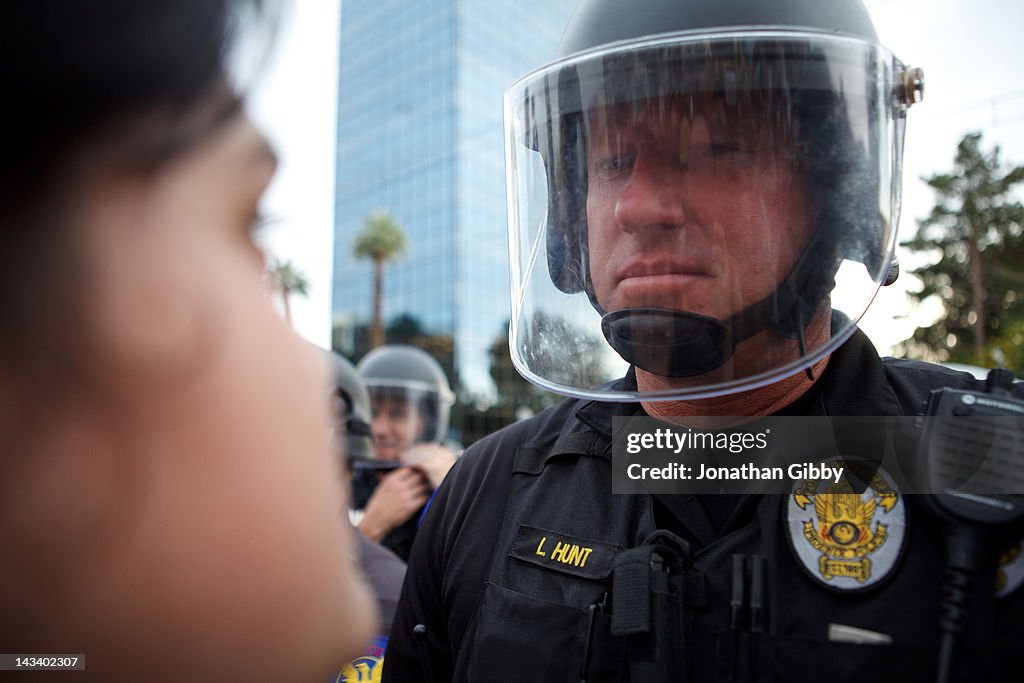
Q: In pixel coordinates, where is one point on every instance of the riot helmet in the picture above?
(351, 407)
(706, 190)
(409, 395)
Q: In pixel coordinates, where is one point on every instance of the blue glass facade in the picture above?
(420, 136)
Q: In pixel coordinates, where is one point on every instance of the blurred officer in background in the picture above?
(411, 401)
(703, 199)
(383, 569)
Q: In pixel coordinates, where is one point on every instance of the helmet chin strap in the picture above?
(682, 344)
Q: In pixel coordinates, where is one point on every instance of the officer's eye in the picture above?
(717, 155)
(398, 414)
(723, 148)
(615, 163)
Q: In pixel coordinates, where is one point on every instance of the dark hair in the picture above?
(423, 402)
(74, 72)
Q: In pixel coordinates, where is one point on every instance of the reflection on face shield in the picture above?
(690, 212)
(695, 216)
(701, 193)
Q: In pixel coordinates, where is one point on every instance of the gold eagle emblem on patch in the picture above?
(1010, 573)
(367, 668)
(844, 538)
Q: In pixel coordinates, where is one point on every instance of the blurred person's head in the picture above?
(410, 398)
(167, 477)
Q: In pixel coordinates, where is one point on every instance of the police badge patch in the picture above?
(847, 541)
(1010, 574)
(367, 668)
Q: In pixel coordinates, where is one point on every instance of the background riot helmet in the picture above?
(352, 407)
(408, 384)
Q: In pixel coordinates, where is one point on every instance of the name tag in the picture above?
(574, 555)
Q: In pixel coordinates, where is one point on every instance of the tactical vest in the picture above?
(583, 586)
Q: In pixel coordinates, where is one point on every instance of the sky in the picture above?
(972, 54)
(295, 100)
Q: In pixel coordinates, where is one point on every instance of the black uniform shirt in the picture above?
(491, 615)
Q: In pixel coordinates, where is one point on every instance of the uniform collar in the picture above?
(854, 383)
(597, 415)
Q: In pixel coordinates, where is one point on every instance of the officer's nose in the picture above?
(653, 196)
(380, 426)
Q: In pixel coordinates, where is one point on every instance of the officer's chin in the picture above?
(385, 454)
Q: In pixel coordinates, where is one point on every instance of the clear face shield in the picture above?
(697, 206)
(351, 432)
(405, 414)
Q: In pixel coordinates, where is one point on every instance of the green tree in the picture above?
(381, 240)
(287, 280)
(976, 230)
(405, 328)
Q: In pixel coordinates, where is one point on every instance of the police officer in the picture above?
(703, 201)
(411, 401)
(351, 404)
(382, 568)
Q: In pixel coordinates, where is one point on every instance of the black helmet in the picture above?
(352, 405)
(407, 375)
(798, 80)
(597, 23)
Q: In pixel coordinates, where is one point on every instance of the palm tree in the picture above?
(380, 241)
(288, 280)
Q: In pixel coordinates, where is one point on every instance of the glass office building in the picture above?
(420, 137)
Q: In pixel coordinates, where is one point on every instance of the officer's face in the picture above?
(697, 213)
(396, 426)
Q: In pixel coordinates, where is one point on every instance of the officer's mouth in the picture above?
(384, 447)
(651, 269)
(638, 277)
